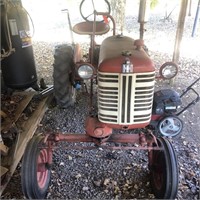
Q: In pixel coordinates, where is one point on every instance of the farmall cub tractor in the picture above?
(124, 76)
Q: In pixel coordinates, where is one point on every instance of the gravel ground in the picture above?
(103, 174)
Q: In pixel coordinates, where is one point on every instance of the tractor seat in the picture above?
(86, 28)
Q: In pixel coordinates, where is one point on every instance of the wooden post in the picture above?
(179, 32)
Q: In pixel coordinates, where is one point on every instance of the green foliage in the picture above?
(153, 4)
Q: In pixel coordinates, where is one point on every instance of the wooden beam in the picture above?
(22, 105)
(180, 29)
(3, 149)
(17, 150)
(3, 170)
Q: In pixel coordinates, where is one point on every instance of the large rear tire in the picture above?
(164, 170)
(35, 171)
(64, 90)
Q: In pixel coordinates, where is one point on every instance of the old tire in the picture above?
(164, 170)
(35, 171)
(64, 91)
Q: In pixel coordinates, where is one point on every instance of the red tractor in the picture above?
(124, 76)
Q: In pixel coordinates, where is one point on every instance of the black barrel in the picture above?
(18, 69)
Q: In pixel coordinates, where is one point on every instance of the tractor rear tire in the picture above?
(64, 66)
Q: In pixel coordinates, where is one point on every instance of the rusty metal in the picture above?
(76, 147)
(91, 97)
(109, 16)
(97, 129)
(142, 30)
(142, 140)
(71, 137)
(48, 144)
(139, 141)
(50, 153)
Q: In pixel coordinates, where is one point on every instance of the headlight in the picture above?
(85, 71)
(168, 70)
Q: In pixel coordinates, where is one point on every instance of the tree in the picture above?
(118, 12)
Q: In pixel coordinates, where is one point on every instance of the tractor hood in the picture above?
(112, 56)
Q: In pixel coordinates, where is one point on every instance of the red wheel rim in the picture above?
(42, 171)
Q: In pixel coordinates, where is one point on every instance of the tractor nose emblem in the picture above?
(127, 66)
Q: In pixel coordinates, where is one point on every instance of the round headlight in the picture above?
(168, 70)
(85, 71)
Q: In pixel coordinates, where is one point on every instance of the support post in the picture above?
(196, 20)
(143, 15)
(190, 8)
(179, 32)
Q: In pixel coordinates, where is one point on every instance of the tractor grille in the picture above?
(125, 98)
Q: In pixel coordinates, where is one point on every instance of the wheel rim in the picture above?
(35, 170)
(42, 171)
(170, 126)
(164, 170)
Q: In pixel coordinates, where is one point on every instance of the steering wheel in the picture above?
(88, 8)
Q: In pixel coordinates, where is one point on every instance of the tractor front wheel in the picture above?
(164, 170)
(35, 171)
